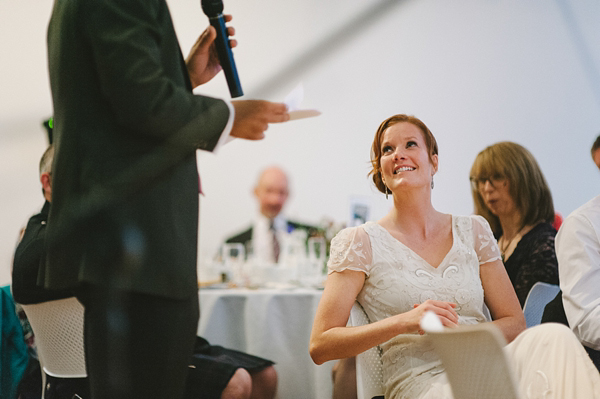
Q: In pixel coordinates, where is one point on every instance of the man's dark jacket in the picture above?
(126, 127)
(29, 256)
(246, 236)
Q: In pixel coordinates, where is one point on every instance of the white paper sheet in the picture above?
(293, 101)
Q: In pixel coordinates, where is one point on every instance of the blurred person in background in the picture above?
(30, 255)
(511, 193)
(270, 233)
(578, 251)
(577, 305)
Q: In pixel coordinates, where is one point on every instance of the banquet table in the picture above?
(270, 323)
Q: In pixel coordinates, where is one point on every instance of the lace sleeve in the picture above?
(484, 242)
(350, 250)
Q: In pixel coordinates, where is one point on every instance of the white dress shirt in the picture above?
(262, 238)
(578, 253)
(226, 135)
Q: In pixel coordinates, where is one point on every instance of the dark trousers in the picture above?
(66, 388)
(137, 345)
(30, 386)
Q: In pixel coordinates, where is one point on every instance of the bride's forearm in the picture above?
(511, 326)
(343, 342)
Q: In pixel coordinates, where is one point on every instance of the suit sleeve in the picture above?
(143, 77)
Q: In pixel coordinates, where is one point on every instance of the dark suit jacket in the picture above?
(29, 256)
(245, 237)
(126, 127)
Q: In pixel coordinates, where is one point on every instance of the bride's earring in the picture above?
(387, 190)
(432, 182)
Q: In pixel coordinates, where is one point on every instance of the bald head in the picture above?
(271, 191)
(46, 172)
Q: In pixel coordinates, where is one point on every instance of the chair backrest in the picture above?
(475, 363)
(369, 369)
(58, 330)
(537, 299)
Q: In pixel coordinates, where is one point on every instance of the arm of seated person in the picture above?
(499, 294)
(578, 252)
(501, 299)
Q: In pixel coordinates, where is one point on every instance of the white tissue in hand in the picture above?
(430, 322)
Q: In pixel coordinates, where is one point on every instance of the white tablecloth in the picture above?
(274, 324)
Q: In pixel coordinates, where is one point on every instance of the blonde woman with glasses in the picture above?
(511, 193)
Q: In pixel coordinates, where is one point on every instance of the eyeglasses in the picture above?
(477, 183)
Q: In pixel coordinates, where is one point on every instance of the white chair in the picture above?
(58, 330)
(369, 369)
(475, 363)
(537, 299)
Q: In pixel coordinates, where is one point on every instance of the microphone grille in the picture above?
(212, 8)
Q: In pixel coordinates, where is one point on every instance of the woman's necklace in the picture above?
(505, 245)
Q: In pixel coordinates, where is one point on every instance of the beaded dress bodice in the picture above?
(397, 278)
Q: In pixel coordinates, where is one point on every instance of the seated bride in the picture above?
(416, 259)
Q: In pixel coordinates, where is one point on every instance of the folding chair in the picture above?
(537, 299)
(58, 329)
(474, 360)
(369, 369)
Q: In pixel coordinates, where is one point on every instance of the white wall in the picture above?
(475, 71)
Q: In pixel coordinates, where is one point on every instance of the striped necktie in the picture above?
(276, 247)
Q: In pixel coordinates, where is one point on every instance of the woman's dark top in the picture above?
(533, 260)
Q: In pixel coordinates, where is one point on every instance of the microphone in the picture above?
(214, 11)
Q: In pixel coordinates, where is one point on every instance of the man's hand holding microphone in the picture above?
(212, 53)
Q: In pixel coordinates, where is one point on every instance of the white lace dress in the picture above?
(397, 279)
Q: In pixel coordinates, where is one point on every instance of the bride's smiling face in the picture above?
(405, 157)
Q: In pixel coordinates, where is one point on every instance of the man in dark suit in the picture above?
(124, 219)
(29, 255)
(30, 252)
(270, 232)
